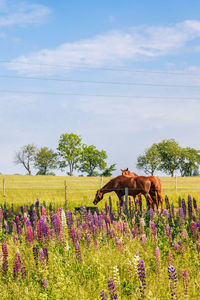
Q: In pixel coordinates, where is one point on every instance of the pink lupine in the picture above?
(193, 227)
(5, 259)
(158, 263)
(43, 211)
(170, 259)
(120, 227)
(29, 234)
(185, 283)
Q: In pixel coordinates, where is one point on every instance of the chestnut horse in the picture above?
(136, 185)
(155, 190)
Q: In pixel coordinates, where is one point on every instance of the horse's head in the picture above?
(126, 172)
(98, 197)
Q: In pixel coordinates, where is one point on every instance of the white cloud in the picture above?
(114, 47)
(22, 14)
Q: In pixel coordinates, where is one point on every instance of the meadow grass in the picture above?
(25, 189)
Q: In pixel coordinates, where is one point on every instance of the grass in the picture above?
(20, 189)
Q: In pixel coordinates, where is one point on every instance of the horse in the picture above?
(136, 185)
(155, 190)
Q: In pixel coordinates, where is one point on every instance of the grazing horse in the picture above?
(155, 190)
(136, 185)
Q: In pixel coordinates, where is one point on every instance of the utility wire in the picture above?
(99, 68)
(97, 95)
(100, 82)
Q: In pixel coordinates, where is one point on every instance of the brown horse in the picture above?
(136, 185)
(155, 190)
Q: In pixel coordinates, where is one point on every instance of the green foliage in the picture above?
(189, 161)
(150, 160)
(45, 160)
(169, 152)
(69, 149)
(108, 171)
(91, 159)
(25, 156)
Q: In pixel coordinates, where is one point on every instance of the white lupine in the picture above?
(135, 263)
(116, 277)
(63, 219)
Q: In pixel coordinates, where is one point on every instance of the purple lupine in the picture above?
(181, 213)
(198, 248)
(195, 204)
(5, 259)
(16, 266)
(173, 280)
(23, 269)
(42, 255)
(185, 283)
(189, 206)
(73, 235)
(179, 202)
(142, 277)
(78, 252)
(35, 255)
(153, 228)
(19, 229)
(151, 214)
(169, 233)
(175, 246)
(167, 202)
(103, 295)
(14, 226)
(56, 224)
(112, 289)
(15, 239)
(87, 236)
(45, 250)
(180, 245)
(184, 207)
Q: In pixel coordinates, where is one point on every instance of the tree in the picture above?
(45, 160)
(25, 156)
(189, 161)
(91, 159)
(69, 149)
(108, 171)
(169, 152)
(150, 160)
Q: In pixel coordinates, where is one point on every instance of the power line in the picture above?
(100, 68)
(97, 95)
(100, 82)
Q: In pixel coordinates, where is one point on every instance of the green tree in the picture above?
(169, 152)
(25, 156)
(69, 149)
(45, 160)
(108, 171)
(92, 159)
(150, 160)
(189, 161)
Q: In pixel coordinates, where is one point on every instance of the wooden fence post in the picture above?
(101, 183)
(66, 204)
(4, 188)
(176, 184)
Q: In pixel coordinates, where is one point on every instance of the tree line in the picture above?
(169, 157)
(71, 154)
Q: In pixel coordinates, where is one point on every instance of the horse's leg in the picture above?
(160, 198)
(150, 199)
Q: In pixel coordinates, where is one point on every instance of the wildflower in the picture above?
(189, 206)
(103, 295)
(44, 283)
(142, 277)
(184, 207)
(78, 252)
(193, 228)
(112, 289)
(157, 253)
(185, 283)
(42, 256)
(29, 234)
(17, 264)
(198, 248)
(116, 277)
(169, 233)
(169, 259)
(5, 259)
(35, 255)
(173, 281)
(46, 254)
(23, 269)
(142, 224)
(195, 204)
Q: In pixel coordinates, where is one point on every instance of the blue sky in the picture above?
(41, 97)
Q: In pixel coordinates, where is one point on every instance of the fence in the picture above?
(77, 188)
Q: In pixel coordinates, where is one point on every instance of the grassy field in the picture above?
(20, 189)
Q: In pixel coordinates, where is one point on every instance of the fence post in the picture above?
(4, 188)
(126, 200)
(66, 204)
(176, 184)
(101, 183)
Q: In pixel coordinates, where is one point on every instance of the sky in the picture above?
(121, 74)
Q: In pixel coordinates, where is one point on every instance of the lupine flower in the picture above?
(173, 281)
(43, 211)
(184, 234)
(23, 269)
(181, 213)
(35, 255)
(158, 263)
(189, 206)
(184, 207)
(151, 214)
(44, 283)
(193, 228)
(198, 248)
(14, 226)
(185, 283)
(175, 246)
(5, 259)
(112, 289)
(42, 255)
(103, 295)
(195, 204)
(78, 252)
(116, 277)
(167, 202)
(169, 233)
(63, 219)
(29, 234)
(19, 228)
(56, 224)
(46, 254)
(16, 266)
(142, 277)
(169, 259)
(142, 224)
